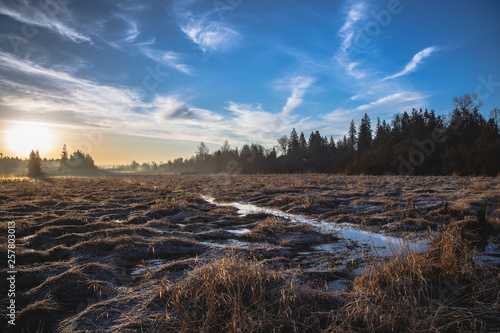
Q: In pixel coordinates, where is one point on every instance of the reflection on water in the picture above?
(239, 231)
(235, 243)
(148, 265)
(382, 244)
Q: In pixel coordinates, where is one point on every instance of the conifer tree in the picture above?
(34, 164)
(352, 139)
(365, 134)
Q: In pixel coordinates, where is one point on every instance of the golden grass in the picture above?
(72, 221)
(443, 290)
(234, 294)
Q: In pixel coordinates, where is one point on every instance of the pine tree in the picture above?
(380, 134)
(34, 164)
(294, 145)
(495, 115)
(64, 157)
(352, 139)
(302, 144)
(365, 134)
(331, 146)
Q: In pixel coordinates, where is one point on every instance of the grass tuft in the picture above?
(234, 294)
(441, 290)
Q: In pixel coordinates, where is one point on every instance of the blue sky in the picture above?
(149, 80)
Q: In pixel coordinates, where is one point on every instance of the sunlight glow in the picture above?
(28, 136)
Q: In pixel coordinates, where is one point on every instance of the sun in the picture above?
(25, 137)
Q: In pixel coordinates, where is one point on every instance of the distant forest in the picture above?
(76, 164)
(415, 143)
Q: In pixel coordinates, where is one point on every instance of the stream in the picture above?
(382, 244)
(355, 245)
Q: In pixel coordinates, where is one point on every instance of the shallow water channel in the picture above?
(355, 246)
(382, 244)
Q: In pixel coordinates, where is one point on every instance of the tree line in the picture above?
(76, 163)
(415, 143)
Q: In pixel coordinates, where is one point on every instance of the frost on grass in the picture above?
(149, 254)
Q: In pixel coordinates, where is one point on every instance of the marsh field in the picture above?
(256, 253)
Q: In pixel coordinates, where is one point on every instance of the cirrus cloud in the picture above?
(211, 36)
(55, 17)
(415, 61)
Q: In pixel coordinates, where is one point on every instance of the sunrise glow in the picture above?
(23, 138)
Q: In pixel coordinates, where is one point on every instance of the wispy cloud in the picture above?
(122, 32)
(205, 29)
(83, 102)
(118, 30)
(387, 105)
(30, 87)
(57, 19)
(349, 34)
(348, 30)
(168, 58)
(298, 86)
(394, 100)
(133, 5)
(171, 108)
(132, 33)
(211, 36)
(172, 59)
(415, 61)
(254, 124)
(360, 76)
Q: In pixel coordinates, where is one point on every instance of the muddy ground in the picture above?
(118, 254)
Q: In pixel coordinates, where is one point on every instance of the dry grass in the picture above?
(87, 236)
(277, 230)
(443, 290)
(236, 295)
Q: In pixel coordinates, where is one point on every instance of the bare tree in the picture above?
(466, 103)
(283, 144)
(202, 151)
(226, 148)
(495, 115)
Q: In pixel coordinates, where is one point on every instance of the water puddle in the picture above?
(491, 254)
(234, 243)
(147, 265)
(381, 243)
(239, 231)
(27, 237)
(339, 285)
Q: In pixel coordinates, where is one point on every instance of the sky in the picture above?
(149, 80)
